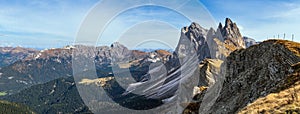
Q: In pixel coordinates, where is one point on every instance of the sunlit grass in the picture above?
(293, 46)
(3, 93)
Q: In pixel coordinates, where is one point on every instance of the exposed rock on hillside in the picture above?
(42, 67)
(262, 78)
(196, 36)
(283, 101)
(256, 72)
(267, 70)
(9, 55)
(209, 70)
(231, 34)
(211, 43)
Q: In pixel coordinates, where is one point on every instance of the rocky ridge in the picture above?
(254, 75)
(27, 67)
(209, 43)
(9, 55)
(231, 34)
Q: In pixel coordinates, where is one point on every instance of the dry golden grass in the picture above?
(163, 52)
(296, 67)
(286, 101)
(202, 88)
(293, 46)
(224, 48)
(99, 82)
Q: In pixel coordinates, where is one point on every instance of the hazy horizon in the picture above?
(54, 24)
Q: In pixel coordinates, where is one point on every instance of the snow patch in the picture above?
(21, 81)
(38, 56)
(57, 60)
(11, 77)
(69, 47)
(52, 92)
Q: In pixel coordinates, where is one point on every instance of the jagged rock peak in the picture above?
(194, 29)
(228, 22)
(220, 26)
(197, 36)
(232, 34)
(195, 25)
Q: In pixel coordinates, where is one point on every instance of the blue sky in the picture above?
(54, 23)
(259, 19)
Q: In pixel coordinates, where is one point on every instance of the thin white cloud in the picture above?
(42, 19)
(291, 13)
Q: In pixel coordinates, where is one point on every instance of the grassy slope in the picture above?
(14, 108)
(287, 99)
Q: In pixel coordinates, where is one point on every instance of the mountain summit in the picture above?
(210, 43)
(232, 34)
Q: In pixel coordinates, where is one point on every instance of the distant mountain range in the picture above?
(9, 55)
(43, 79)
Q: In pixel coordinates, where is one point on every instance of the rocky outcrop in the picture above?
(253, 77)
(209, 70)
(256, 72)
(209, 43)
(196, 37)
(231, 34)
(285, 98)
(283, 101)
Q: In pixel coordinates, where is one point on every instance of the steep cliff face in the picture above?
(268, 70)
(256, 72)
(210, 43)
(231, 34)
(194, 36)
(209, 70)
